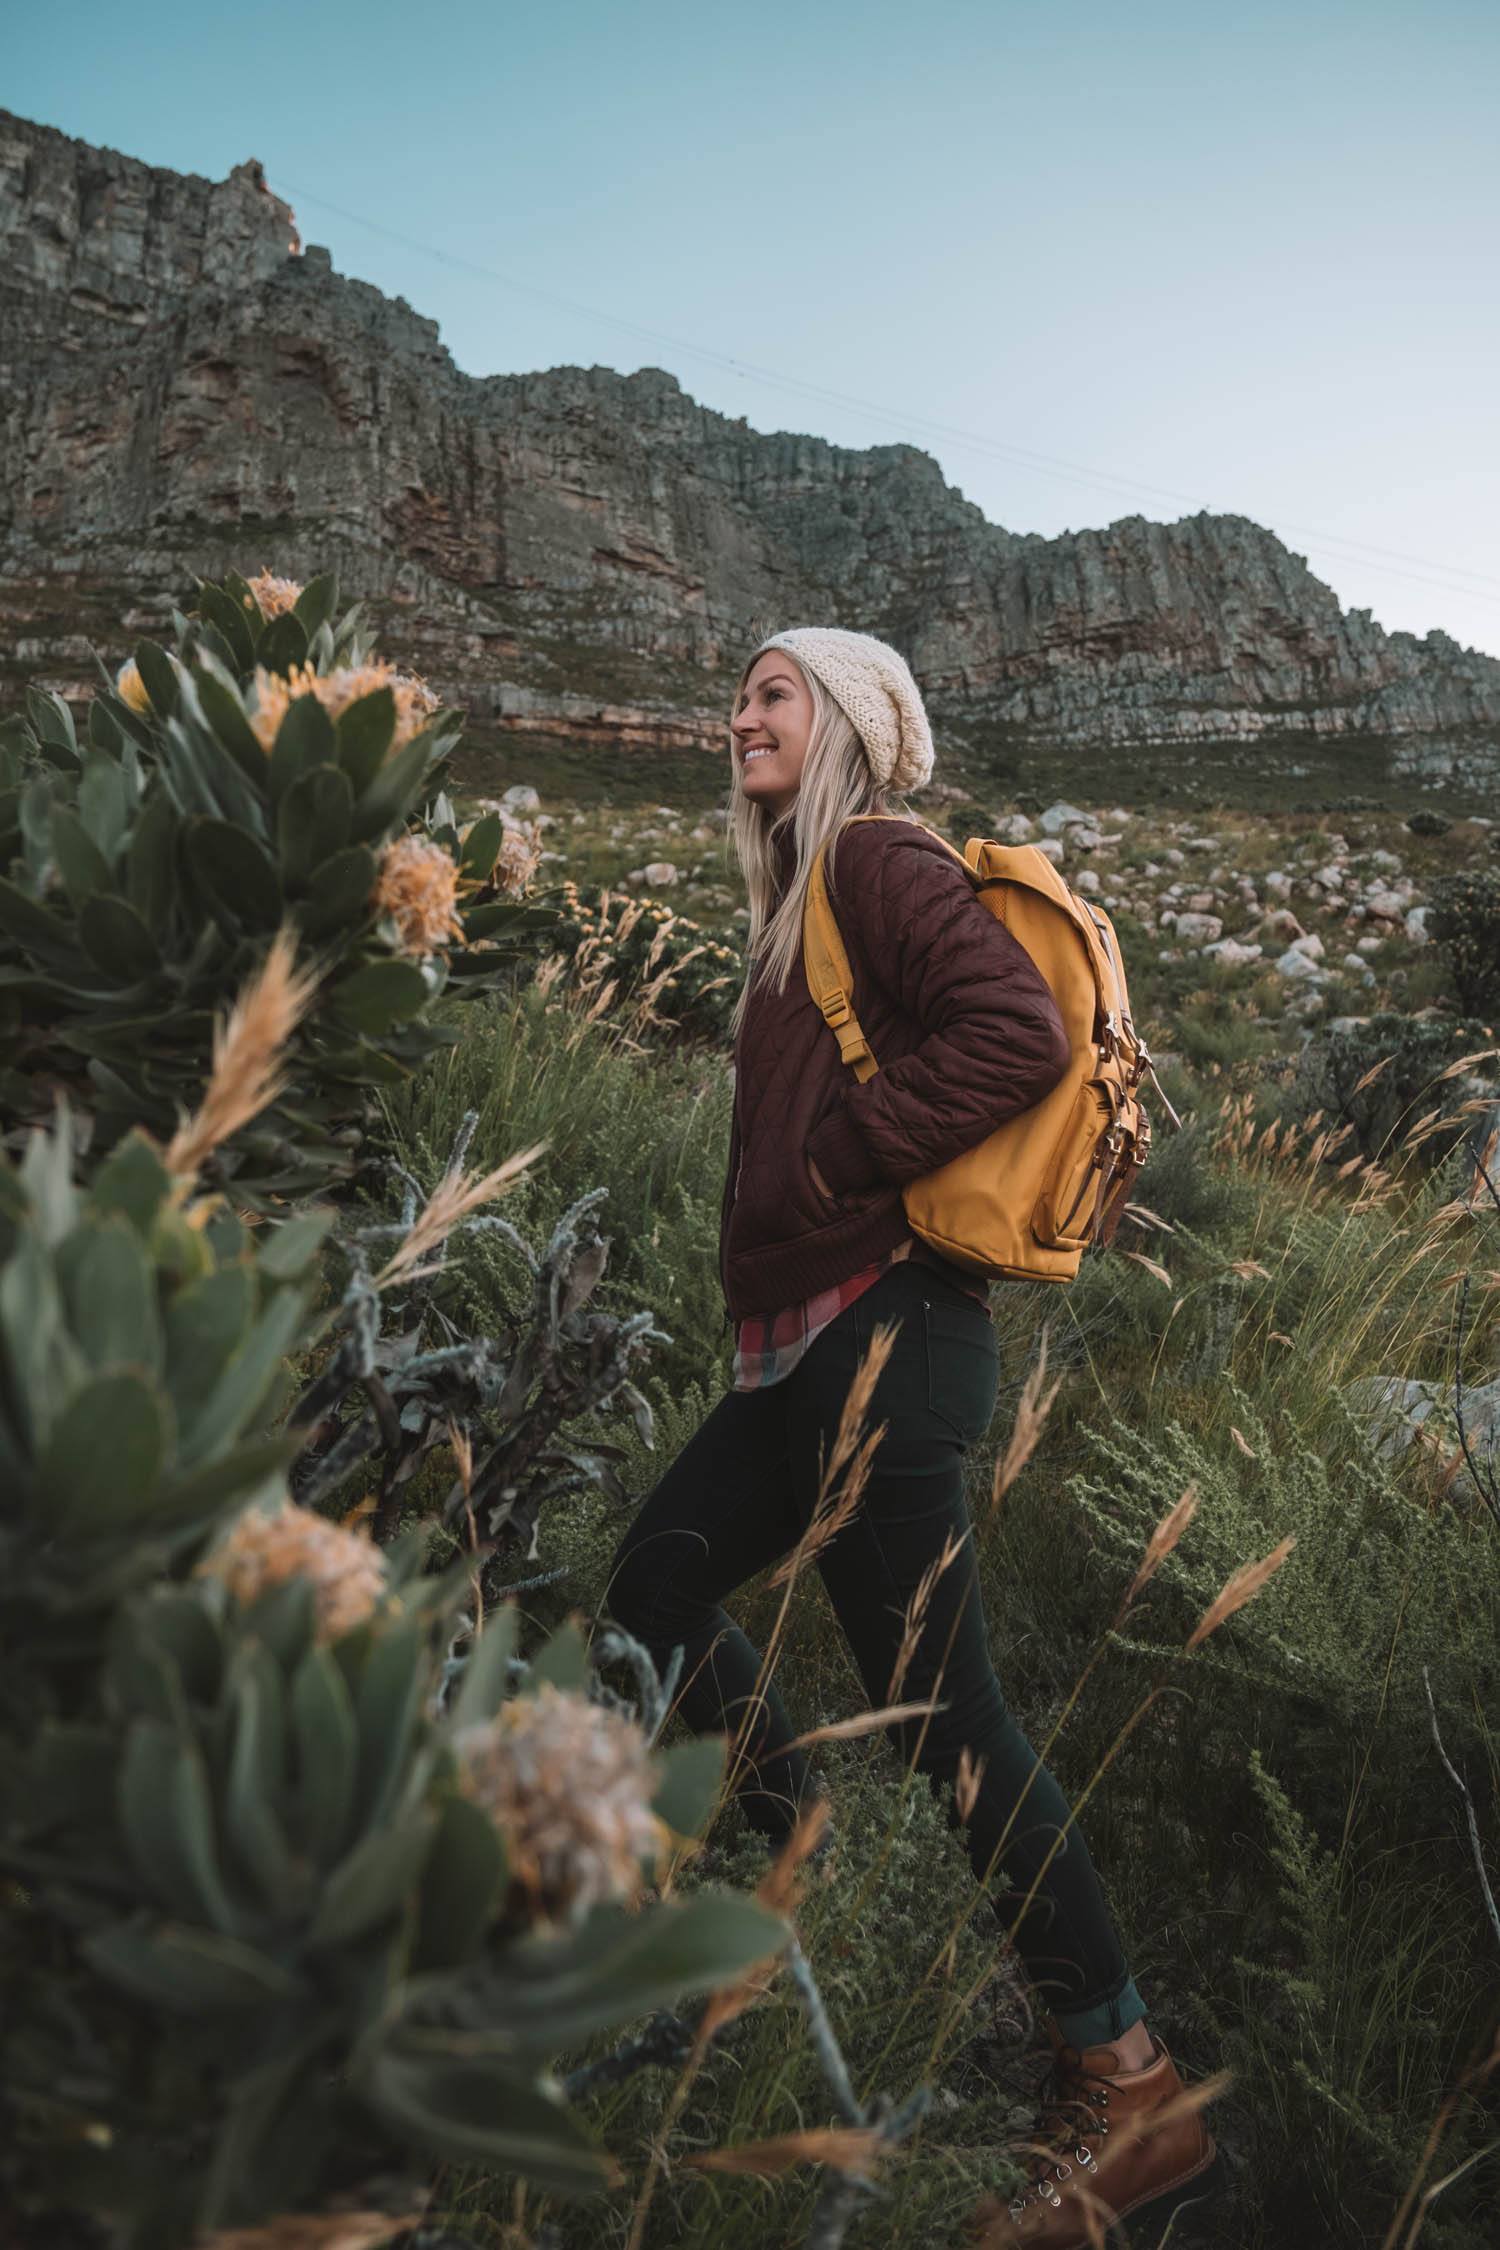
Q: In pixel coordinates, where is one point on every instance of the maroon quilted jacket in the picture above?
(965, 1032)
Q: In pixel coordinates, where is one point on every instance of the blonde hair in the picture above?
(836, 782)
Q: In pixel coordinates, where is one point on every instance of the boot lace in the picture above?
(1072, 2113)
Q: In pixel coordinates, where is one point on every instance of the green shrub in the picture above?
(1413, 1054)
(1465, 923)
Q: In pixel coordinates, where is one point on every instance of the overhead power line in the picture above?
(1392, 562)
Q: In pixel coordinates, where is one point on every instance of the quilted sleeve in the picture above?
(993, 1042)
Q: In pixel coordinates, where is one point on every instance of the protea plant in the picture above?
(288, 1939)
(267, 773)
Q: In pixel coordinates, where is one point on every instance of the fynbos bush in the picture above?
(276, 1911)
(267, 773)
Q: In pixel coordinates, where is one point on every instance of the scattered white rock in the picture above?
(1082, 836)
(661, 873)
(1086, 881)
(1279, 883)
(1368, 944)
(1053, 847)
(1415, 925)
(1015, 828)
(521, 798)
(1060, 816)
(1199, 929)
(1295, 963)
(1310, 944)
(1233, 952)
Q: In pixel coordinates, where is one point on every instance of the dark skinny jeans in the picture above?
(738, 1497)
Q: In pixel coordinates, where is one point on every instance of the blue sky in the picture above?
(1098, 259)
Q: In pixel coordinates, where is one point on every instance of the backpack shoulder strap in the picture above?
(826, 962)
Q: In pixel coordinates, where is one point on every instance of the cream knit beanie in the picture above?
(872, 685)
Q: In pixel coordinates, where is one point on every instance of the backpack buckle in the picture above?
(828, 1004)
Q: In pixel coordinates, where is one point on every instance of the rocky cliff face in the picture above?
(183, 387)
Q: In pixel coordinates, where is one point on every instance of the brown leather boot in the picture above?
(1098, 2161)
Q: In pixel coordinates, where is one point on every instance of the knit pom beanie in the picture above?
(872, 685)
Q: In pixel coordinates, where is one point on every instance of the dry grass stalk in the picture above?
(778, 1889)
(1032, 1411)
(1372, 1073)
(247, 1048)
(848, 2148)
(1466, 1062)
(454, 1197)
(1239, 1588)
(967, 1780)
(867, 1722)
(1148, 1218)
(917, 1607)
(548, 970)
(852, 1454)
(1248, 1269)
(1245, 1447)
(316, 2230)
(1163, 1539)
(1157, 1273)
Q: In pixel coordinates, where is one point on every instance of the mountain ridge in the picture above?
(584, 553)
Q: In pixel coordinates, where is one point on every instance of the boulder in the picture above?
(1062, 815)
(1394, 1408)
(1296, 964)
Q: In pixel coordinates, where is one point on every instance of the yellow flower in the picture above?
(417, 886)
(274, 694)
(569, 1785)
(131, 688)
(275, 595)
(264, 1550)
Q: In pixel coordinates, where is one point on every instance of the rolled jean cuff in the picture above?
(1094, 2027)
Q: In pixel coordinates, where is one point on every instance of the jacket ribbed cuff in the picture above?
(842, 1154)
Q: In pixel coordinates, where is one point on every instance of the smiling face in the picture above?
(771, 727)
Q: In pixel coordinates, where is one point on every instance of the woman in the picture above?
(815, 1250)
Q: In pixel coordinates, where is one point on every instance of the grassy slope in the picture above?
(1285, 1860)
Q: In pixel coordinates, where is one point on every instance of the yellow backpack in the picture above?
(1030, 1198)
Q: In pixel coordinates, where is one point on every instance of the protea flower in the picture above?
(274, 693)
(131, 688)
(517, 860)
(417, 886)
(275, 595)
(569, 1785)
(263, 1549)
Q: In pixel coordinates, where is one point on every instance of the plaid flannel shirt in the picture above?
(769, 1345)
